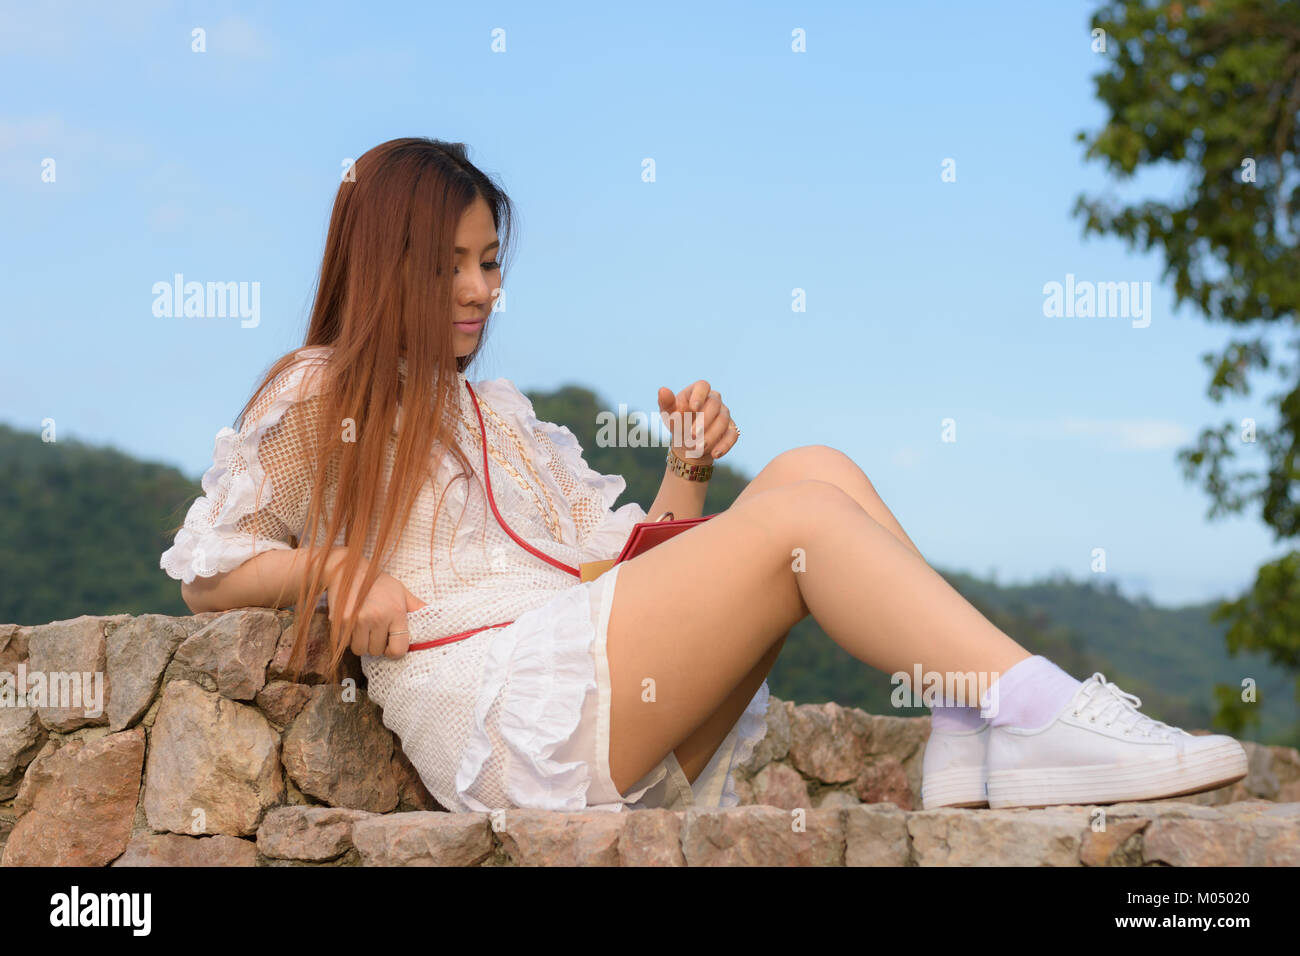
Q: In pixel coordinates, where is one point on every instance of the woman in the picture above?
(511, 683)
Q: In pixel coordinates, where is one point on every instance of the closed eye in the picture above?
(486, 265)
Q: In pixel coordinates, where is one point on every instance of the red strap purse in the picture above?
(645, 535)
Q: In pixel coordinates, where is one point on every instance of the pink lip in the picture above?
(469, 326)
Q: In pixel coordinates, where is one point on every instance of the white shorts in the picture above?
(666, 785)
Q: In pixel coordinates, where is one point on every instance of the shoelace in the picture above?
(1104, 699)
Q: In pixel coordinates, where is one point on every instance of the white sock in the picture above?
(1030, 695)
(953, 720)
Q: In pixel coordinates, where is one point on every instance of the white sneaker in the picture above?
(1101, 749)
(954, 770)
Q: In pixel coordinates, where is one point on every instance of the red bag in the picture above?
(645, 535)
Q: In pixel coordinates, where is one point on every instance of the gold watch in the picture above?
(691, 471)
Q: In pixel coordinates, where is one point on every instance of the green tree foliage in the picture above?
(81, 530)
(1212, 89)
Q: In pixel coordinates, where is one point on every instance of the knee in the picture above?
(820, 462)
(787, 513)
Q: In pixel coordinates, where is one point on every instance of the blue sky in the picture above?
(775, 171)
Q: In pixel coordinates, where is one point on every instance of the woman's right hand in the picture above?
(380, 612)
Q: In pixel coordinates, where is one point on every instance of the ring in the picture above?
(395, 633)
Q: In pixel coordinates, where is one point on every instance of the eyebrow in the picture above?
(491, 245)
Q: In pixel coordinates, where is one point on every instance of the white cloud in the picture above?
(1115, 433)
(169, 217)
(237, 37)
(67, 29)
(1146, 433)
(26, 141)
(37, 131)
(904, 458)
(28, 30)
(391, 63)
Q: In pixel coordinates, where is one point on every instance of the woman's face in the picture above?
(477, 275)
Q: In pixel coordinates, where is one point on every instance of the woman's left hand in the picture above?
(712, 432)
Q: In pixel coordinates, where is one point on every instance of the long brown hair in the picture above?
(385, 292)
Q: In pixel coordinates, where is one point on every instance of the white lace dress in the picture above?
(513, 716)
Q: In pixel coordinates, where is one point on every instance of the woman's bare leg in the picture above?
(694, 753)
(824, 463)
(798, 464)
(697, 614)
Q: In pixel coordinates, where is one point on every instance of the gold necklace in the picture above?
(549, 515)
(527, 460)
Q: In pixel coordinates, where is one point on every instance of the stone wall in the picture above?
(204, 754)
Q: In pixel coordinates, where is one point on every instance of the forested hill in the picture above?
(82, 528)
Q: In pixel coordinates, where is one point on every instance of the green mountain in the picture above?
(82, 527)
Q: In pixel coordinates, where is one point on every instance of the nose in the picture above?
(474, 290)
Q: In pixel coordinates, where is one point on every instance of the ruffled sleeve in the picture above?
(255, 495)
(601, 530)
